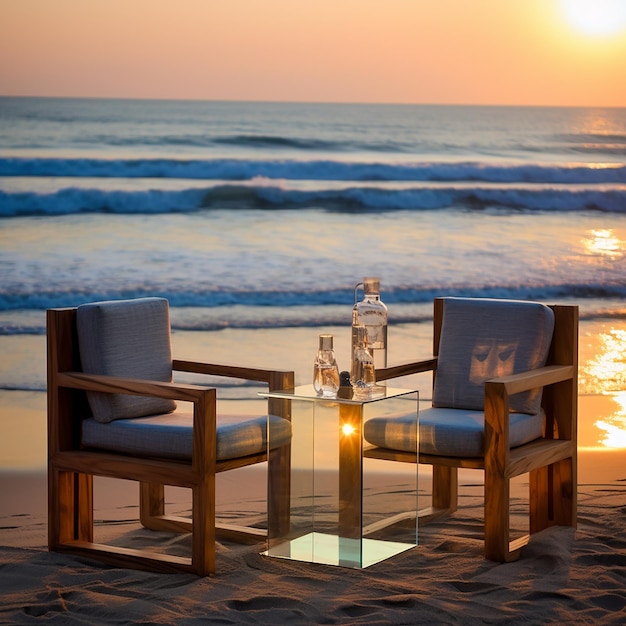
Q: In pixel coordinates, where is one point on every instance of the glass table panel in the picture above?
(338, 507)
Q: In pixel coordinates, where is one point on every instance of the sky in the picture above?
(503, 52)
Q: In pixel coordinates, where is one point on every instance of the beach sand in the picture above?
(564, 575)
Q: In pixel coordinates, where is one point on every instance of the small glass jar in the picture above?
(325, 370)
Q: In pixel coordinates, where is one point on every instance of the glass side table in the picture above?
(336, 506)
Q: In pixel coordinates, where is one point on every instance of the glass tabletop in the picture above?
(359, 396)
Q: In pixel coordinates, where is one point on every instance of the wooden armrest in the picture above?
(231, 371)
(203, 399)
(525, 381)
(425, 365)
(131, 386)
(497, 392)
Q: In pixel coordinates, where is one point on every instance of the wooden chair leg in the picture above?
(445, 488)
(152, 511)
(279, 464)
(498, 544)
(496, 517)
(70, 515)
(151, 504)
(203, 535)
(279, 491)
(84, 498)
(553, 496)
(61, 505)
(497, 531)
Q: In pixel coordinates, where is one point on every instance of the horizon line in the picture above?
(313, 102)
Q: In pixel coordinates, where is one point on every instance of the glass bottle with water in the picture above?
(325, 370)
(371, 312)
(362, 373)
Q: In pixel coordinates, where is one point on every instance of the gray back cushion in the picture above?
(128, 338)
(482, 339)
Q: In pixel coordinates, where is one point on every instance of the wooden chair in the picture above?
(510, 441)
(188, 451)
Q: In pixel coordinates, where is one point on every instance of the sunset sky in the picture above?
(526, 52)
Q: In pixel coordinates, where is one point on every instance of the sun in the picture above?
(599, 18)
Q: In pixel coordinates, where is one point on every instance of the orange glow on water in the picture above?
(603, 242)
(614, 426)
(605, 375)
(608, 368)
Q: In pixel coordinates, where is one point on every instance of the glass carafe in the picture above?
(371, 313)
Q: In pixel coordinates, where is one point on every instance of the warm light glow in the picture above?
(608, 368)
(347, 429)
(606, 374)
(615, 425)
(603, 242)
(321, 50)
(596, 17)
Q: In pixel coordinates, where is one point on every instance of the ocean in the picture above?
(266, 215)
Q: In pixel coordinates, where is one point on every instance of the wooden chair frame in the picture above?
(551, 460)
(71, 468)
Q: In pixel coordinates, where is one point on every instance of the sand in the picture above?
(565, 575)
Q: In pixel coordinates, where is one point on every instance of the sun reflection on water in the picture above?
(608, 367)
(603, 242)
(614, 426)
(606, 374)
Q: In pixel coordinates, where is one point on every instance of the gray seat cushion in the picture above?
(171, 436)
(482, 339)
(447, 432)
(128, 338)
